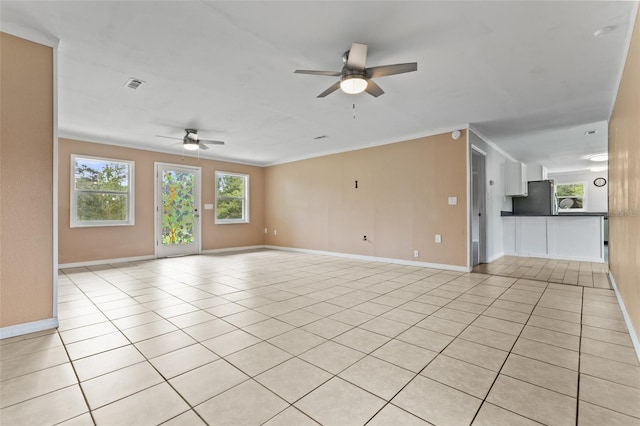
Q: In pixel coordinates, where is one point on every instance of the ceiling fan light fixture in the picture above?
(190, 146)
(353, 84)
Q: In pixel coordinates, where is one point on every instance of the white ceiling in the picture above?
(529, 76)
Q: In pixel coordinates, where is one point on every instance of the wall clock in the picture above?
(599, 181)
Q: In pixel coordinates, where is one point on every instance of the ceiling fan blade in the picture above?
(385, 70)
(330, 90)
(357, 56)
(202, 146)
(168, 137)
(373, 89)
(211, 142)
(327, 73)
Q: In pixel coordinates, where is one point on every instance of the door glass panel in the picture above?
(177, 207)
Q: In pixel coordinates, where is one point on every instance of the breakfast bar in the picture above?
(578, 237)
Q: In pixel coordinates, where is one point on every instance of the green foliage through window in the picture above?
(177, 207)
(101, 191)
(570, 196)
(231, 198)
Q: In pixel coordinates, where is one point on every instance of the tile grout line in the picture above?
(191, 408)
(579, 358)
(443, 349)
(509, 354)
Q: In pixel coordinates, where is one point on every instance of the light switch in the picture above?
(208, 206)
(453, 201)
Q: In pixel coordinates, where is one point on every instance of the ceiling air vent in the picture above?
(133, 83)
(591, 132)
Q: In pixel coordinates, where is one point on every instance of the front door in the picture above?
(177, 210)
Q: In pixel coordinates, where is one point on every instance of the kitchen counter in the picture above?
(577, 237)
(563, 214)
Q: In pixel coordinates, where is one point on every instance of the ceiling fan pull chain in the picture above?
(354, 111)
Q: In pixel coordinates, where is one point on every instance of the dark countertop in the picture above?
(605, 214)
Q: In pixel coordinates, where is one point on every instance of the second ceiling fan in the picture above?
(192, 142)
(355, 77)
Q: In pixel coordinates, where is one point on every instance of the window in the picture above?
(232, 198)
(101, 192)
(570, 196)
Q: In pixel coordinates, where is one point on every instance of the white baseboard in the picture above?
(231, 249)
(104, 261)
(375, 259)
(554, 257)
(627, 320)
(28, 327)
(495, 257)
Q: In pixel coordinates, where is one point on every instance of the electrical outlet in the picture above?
(453, 201)
(438, 238)
(275, 232)
(266, 230)
(416, 253)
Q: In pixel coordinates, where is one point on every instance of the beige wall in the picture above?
(624, 184)
(26, 181)
(88, 244)
(400, 203)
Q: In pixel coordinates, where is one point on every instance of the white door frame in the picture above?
(197, 202)
(482, 198)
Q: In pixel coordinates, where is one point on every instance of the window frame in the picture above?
(73, 194)
(245, 199)
(583, 197)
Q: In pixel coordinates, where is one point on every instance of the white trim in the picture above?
(28, 327)
(232, 249)
(197, 171)
(625, 314)
(374, 258)
(245, 199)
(548, 256)
(258, 247)
(469, 171)
(491, 144)
(632, 21)
(55, 182)
(30, 34)
(105, 261)
(131, 199)
(478, 150)
(198, 154)
(399, 139)
(495, 257)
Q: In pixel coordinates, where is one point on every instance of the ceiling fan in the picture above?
(355, 77)
(191, 141)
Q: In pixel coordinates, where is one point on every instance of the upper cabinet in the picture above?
(515, 175)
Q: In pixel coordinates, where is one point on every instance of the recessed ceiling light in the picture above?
(603, 31)
(599, 157)
(599, 169)
(591, 132)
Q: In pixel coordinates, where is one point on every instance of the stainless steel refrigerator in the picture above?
(540, 201)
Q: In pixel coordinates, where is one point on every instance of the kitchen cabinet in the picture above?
(572, 237)
(515, 175)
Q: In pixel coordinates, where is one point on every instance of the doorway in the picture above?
(478, 207)
(177, 210)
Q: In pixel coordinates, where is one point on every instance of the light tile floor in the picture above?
(280, 338)
(586, 274)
